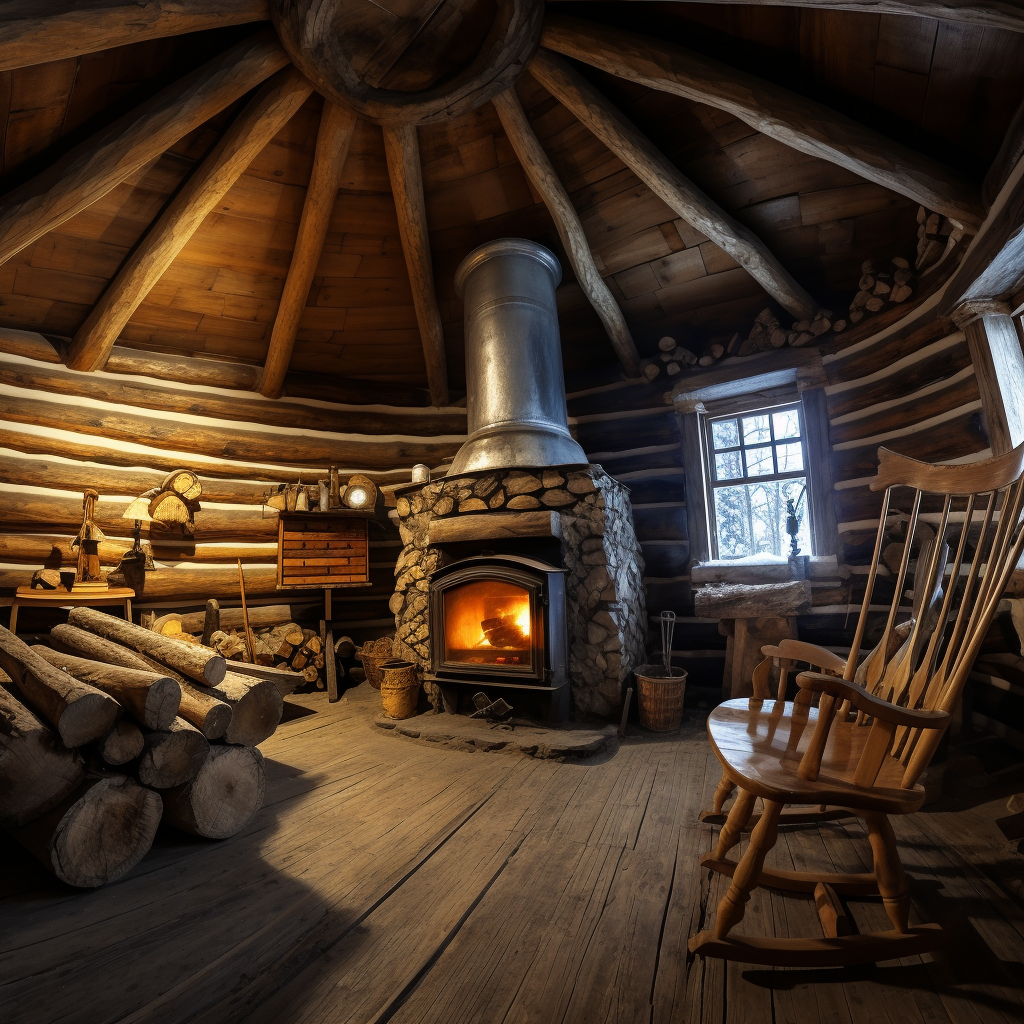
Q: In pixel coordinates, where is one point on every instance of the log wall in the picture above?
(121, 433)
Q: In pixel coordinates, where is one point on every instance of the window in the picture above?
(756, 462)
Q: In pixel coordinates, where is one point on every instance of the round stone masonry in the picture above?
(605, 610)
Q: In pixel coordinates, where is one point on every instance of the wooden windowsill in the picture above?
(720, 570)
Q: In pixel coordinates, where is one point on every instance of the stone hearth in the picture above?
(606, 614)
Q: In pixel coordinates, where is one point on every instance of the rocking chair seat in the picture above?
(760, 743)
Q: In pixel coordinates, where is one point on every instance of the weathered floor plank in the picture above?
(388, 880)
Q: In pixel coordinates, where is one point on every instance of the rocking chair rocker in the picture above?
(862, 750)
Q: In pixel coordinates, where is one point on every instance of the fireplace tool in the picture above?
(668, 627)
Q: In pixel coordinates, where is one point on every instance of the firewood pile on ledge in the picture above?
(114, 727)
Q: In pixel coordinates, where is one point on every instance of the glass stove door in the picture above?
(489, 623)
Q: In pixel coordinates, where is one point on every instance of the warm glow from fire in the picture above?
(489, 613)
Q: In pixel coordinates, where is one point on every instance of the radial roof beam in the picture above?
(101, 163)
(663, 178)
(38, 31)
(542, 176)
(266, 114)
(984, 13)
(332, 144)
(402, 147)
(791, 119)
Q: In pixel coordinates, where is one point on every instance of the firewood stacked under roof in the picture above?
(112, 728)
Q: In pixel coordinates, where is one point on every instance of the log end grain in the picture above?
(90, 717)
(98, 836)
(162, 702)
(172, 756)
(256, 708)
(224, 796)
(122, 744)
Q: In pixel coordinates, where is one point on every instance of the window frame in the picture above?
(753, 405)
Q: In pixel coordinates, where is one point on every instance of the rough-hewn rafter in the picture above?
(332, 142)
(401, 144)
(800, 123)
(1004, 14)
(660, 175)
(542, 175)
(261, 120)
(38, 31)
(102, 162)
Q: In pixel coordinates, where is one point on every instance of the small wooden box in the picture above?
(317, 550)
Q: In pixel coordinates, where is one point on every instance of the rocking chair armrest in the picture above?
(798, 650)
(869, 703)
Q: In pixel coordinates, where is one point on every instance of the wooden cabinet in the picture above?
(322, 550)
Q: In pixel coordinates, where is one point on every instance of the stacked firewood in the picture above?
(112, 728)
(882, 284)
(288, 646)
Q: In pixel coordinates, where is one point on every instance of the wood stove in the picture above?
(499, 623)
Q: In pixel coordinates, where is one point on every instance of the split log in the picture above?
(101, 163)
(209, 715)
(256, 708)
(265, 114)
(402, 149)
(545, 180)
(36, 770)
(224, 796)
(197, 663)
(49, 30)
(152, 699)
(122, 744)
(172, 756)
(337, 124)
(97, 834)
(802, 124)
(79, 712)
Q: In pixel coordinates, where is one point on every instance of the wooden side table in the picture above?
(61, 598)
(751, 616)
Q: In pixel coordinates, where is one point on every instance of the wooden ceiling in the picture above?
(947, 89)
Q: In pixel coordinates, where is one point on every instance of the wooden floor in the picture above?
(389, 880)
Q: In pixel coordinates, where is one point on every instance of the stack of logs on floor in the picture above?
(113, 728)
(286, 646)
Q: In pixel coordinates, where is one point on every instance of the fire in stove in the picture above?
(488, 622)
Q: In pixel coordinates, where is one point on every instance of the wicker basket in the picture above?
(373, 652)
(660, 698)
(400, 688)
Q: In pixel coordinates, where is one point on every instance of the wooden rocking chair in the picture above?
(862, 750)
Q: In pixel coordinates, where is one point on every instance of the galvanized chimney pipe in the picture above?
(514, 382)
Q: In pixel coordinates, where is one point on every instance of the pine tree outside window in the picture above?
(756, 461)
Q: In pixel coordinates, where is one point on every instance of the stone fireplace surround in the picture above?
(605, 613)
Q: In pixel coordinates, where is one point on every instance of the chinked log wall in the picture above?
(62, 431)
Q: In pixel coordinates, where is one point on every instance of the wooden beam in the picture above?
(39, 31)
(224, 439)
(1009, 156)
(187, 400)
(803, 124)
(336, 126)
(984, 13)
(401, 144)
(266, 114)
(542, 176)
(663, 178)
(999, 369)
(102, 162)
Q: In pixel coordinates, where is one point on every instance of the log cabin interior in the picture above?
(510, 511)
